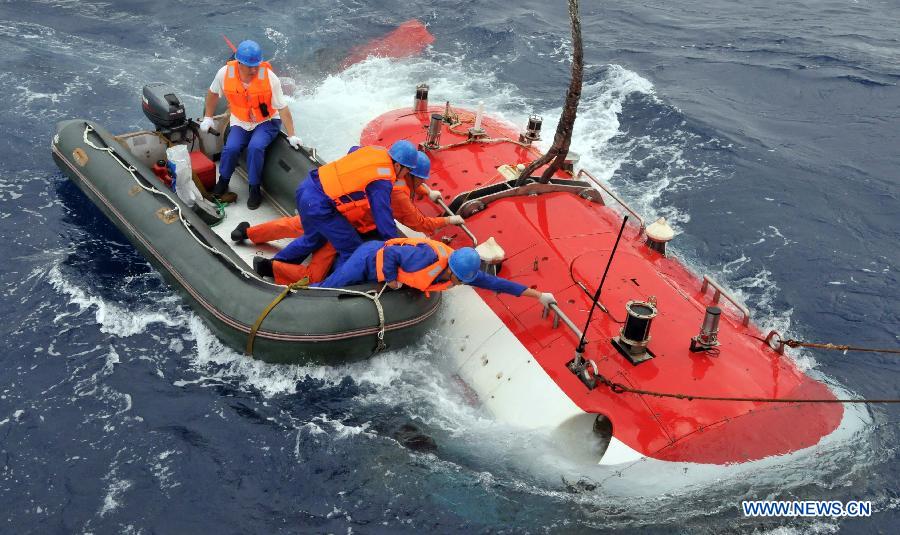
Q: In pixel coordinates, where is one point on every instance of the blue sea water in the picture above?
(765, 132)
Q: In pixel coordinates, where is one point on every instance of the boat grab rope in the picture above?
(303, 284)
(132, 170)
(370, 294)
(619, 388)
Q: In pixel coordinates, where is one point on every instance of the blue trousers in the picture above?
(322, 223)
(358, 269)
(255, 141)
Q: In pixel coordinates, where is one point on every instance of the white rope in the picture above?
(376, 300)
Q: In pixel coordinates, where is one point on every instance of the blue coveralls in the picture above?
(322, 223)
(255, 141)
(360, 268)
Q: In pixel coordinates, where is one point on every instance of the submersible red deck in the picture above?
(558, 238)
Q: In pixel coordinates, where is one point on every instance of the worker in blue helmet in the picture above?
(337, 196)
(423, 264)
(258, 111)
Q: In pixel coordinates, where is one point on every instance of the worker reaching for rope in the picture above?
(423, 264)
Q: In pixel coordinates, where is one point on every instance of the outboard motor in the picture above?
(163, 108)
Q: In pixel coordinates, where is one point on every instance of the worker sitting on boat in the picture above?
(405, 211)
(258, 109)
(423, 264)
(344, 191)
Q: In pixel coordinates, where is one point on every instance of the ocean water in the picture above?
(766, 133)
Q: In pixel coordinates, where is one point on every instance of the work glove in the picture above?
(206, 124)
(295, 142)
(395, 285)
(435, 195)
(455, 220)
(547, 299)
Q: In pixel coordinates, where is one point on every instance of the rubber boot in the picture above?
(255, 198)
(239, 234)
(220, 188)
(263, 266)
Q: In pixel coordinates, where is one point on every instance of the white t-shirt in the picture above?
(278, 102)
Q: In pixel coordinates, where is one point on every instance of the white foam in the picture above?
(112, 318)
(114, 491)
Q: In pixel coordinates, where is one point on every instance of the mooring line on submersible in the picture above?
(781, 342)
(619, 388)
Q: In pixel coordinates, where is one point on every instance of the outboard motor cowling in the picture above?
(163, 108)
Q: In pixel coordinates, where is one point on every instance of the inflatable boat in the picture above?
(190, 245)
(660, 339)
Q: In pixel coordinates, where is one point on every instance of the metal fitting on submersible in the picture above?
(659, 234)
(709, 331)
(420, 103)
(635, 334)
(532, 131)
(433, 137)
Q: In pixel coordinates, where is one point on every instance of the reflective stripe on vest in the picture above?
(344, 179)
(422, 279)
(248, 104)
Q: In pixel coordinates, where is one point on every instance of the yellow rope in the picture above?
(302, 283)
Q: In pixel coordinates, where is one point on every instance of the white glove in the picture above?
(455, 220)
(435, 195)
(295, 142)
(547, 299)
(395, 285)
(206, 124)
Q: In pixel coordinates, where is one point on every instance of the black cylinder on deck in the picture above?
(637, 324)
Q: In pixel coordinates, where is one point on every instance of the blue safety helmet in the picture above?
(249, 53)
(423, 166)
(465, 264)
(404, 153)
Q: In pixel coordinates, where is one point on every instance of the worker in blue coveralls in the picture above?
(424, 264)
(343, 192)
(258, 108)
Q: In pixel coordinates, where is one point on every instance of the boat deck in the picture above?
(238, 212)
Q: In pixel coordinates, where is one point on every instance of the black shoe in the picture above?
(221, 188)
(239, 233)
(263, 266)
(255, 198)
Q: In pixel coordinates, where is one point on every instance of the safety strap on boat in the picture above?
(302, 283)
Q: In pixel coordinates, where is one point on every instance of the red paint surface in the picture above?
(559, 232)
(408, 39)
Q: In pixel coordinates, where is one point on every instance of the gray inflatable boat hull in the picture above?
(308, 326)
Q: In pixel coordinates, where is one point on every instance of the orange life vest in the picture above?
(422, 279)
(248, 104)
(345, 179)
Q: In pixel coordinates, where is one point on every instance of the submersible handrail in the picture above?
(443, 205)
(565, 319)
(614, 196)
(707, 282)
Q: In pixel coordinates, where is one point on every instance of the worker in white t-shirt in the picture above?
(257, 108)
